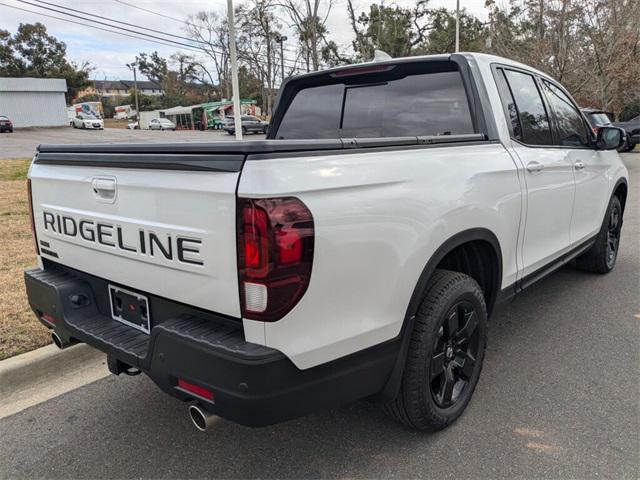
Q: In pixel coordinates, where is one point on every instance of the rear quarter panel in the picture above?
(379, 216)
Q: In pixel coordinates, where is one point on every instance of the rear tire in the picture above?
(445, 354)
(602, 256)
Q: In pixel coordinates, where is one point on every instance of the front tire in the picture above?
(602, 256)
(445, 354)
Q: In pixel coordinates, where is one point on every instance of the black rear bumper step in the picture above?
(253, 385)
(52, 290)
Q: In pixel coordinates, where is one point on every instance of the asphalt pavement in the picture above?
(558, 398)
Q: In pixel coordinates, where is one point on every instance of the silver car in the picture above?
(249, 124)
(161, 124)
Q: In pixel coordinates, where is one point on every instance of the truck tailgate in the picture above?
(163, 224)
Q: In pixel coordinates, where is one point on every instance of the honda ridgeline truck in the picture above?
(357, 252)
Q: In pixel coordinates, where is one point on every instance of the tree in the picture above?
(442, 33)
(257, 45)
(396, 30)
(212, 32)
(309, 18)
(32, 52)
(152, 66)
(591, 46)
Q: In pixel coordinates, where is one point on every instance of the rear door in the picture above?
(158, 223)
(548, 171)
(590, 166)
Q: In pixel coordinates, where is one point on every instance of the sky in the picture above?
(110, 53)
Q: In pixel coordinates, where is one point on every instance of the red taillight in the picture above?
(275, 253)
(33, 223)
(195, 389)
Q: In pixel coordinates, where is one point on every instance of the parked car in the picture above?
(597, 118)
(632, 128)
(5, 124)
(86, 120)
(358, 252)
(161, 124)
(133, 126)
(601, 118)
(250, 124)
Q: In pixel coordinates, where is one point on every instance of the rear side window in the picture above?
(570, 127)
(415, 105)
(531, 111)
(509, 106)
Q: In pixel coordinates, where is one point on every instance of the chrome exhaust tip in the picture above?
(59, 342)
(200, 418)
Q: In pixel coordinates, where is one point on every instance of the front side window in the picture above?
(531, 111)
(570, 128)
(419, 104)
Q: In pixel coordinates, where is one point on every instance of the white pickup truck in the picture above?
(356, 252)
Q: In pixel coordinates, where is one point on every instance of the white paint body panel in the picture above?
(379, 217)
(165, 202)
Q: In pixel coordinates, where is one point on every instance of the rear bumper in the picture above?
(252, 384)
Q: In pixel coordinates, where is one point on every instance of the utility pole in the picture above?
(132, 66)
(235, 86)
(281, 39)
(457, 25)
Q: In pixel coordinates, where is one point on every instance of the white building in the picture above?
(34, 102)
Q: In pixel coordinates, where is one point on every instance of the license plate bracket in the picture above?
(130, 308)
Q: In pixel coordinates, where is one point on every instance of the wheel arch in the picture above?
(620, 190)
(455, 243)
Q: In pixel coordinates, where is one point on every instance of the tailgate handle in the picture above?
(104, 188)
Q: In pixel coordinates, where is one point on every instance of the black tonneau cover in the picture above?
(217, 156)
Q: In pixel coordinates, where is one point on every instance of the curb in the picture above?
(41, 374)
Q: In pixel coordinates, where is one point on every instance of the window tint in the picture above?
(313, 113)
(531, 111)
(509, 105)
(569, 126)
(422, 104)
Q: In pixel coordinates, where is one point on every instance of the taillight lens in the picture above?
(275, 254)
(33, 224)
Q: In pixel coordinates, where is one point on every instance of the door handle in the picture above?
(578, 165)
(104, 189)
(534, 167)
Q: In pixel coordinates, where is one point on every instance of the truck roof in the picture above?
(481, 58)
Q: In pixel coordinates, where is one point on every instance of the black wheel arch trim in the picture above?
(621, 181)
(393, 383)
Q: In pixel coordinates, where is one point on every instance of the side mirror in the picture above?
(609, 138)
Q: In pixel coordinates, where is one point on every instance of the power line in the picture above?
(117, 21)
(152, 12)
(107, 24)
(93, 26)
(186, 22)
(63, 12)
(135, 35)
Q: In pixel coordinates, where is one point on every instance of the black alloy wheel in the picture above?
(455, 350)
(445, 354)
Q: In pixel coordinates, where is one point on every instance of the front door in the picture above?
(573, 137)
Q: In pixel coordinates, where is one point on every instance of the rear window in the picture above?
(599, 119)
(433, 103)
